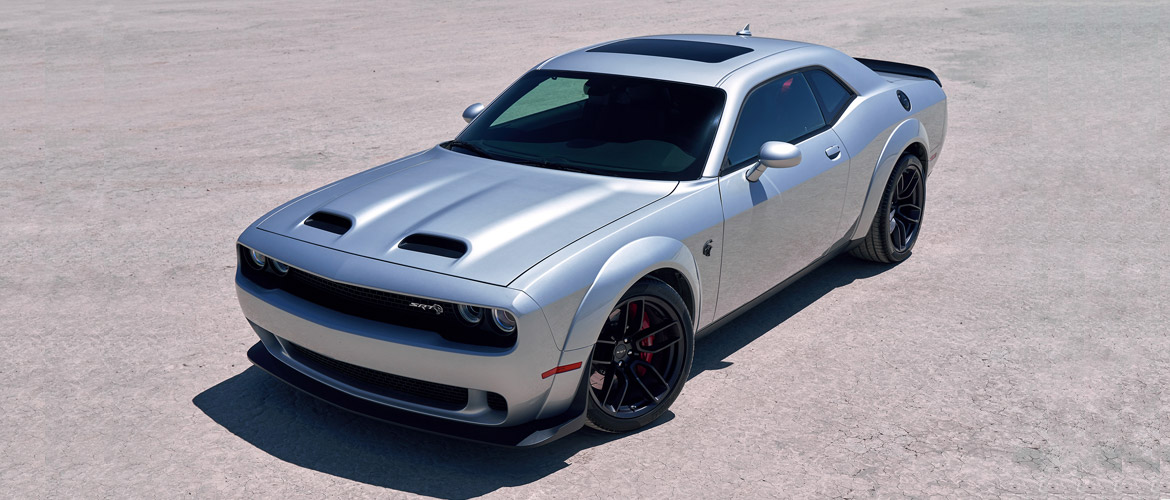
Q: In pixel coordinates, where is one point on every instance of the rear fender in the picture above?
(908, 132)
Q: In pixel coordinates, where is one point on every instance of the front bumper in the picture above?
(537, 409)
(534, 433)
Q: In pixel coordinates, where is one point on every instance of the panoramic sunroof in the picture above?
(675, 49)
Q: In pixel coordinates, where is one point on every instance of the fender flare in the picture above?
(906, 133)
(624, 268)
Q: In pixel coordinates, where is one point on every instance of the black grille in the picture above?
(359, 299)
(496, 402)
(396, 386)
(377, 305)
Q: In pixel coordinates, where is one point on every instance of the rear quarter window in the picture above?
(831, 94)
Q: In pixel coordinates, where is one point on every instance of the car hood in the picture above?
(508, 216)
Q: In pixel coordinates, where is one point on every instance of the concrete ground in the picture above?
(1022, 350)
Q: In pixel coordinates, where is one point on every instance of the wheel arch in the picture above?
(908, 137)
(660, 257)
(918, 149)
(679, 283)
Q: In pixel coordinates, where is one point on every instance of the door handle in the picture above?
(833, 152)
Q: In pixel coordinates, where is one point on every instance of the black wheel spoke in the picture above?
(908, 186)
(908, 213)
(657, 348)
(650, 368)
(607, 386)
(602, 356)
(608, 391)
(634, 321)
(899, 236)
(622, 397)
(623, 318)
(646, 390)
(638, 339)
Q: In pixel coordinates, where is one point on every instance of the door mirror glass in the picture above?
(472, 111)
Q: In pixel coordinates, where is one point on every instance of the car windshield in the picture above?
(598, 123)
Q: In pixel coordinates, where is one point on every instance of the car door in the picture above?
(776, 226)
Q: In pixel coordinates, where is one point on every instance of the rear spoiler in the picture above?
(899, 69)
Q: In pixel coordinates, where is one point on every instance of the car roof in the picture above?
(697, 59)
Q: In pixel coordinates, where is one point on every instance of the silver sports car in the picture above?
(551, 266)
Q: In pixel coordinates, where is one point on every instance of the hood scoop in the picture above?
(326, 221)
(434, 245)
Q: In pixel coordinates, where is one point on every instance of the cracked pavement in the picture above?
(1021, 352)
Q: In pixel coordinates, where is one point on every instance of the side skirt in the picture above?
(836, 250)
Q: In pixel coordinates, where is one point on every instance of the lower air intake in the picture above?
(395, 386)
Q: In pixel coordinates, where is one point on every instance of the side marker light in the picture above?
(561, 369)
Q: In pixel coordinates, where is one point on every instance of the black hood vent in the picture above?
(326, 221)
(434, 245)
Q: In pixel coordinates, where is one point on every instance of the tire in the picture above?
(898, 220)
(633, 381)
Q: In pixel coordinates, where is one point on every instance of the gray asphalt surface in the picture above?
(1022, 350)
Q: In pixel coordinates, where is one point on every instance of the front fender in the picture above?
(624, 268)
(908, 132)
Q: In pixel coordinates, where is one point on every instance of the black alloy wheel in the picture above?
(906, 209)
(642, 358)
(898, 221)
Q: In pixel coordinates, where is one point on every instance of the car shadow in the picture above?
(304, 431)
(715, 347)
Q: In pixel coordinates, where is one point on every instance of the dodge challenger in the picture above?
(551, 266)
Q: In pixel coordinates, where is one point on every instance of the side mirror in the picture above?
(472, 111)
(774, 154)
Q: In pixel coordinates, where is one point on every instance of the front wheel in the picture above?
(642, 358)
(896, 225)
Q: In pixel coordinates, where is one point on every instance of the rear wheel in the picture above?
(642, 358)
(896, 225)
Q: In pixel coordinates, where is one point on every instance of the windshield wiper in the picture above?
(478, 151)
(552, 165)
(555, 166)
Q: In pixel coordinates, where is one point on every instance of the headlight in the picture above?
(504, 320)
(470, 314)
(279, 267)
(256, 259)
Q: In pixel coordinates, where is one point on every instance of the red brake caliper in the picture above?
(646, 342)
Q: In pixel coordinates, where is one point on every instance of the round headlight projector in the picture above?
(504, 320)
(470, 314)
(279, 267)
(257, 259)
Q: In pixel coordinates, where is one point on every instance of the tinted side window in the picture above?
(780, 110)
(832, 95)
